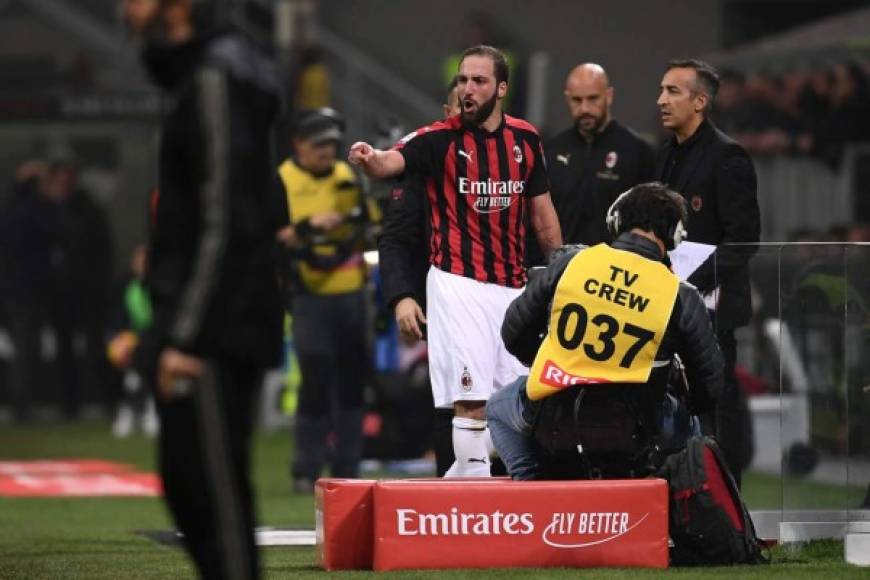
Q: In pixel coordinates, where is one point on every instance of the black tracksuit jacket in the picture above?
(211, 263)
(403, 245)
(585, 178)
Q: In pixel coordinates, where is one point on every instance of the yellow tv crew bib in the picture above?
(308, 195)
(609, 314)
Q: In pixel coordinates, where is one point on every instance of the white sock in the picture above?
(469, 445)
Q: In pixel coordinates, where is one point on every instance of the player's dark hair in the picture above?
(706, 77)
(652, 207)
(499, 62)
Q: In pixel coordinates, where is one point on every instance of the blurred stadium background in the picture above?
(796, 93)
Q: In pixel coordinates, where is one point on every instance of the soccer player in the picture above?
(484, 172)
(403, 250)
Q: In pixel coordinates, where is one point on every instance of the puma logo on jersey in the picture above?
(563, 158)
(466, 154)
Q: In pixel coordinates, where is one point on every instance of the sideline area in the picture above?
(97, 538)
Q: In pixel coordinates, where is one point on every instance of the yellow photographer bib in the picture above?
(610, 312)
(308, 195)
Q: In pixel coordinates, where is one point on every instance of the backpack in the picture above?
(709, 523)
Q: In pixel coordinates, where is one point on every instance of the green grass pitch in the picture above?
(94, 539)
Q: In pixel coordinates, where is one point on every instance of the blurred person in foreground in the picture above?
(716, 177)
(325, 277)
(485, 176)
(403, 249)
(211, 269)
(612, 317)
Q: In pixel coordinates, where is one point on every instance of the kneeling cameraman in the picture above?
(612, 317)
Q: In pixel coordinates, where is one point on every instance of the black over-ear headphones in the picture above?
(674, 236)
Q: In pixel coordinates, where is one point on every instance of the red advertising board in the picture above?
(344, 523)
(497, 523)
(75, 478)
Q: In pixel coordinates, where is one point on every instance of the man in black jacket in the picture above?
(403, 249)
(211, 273)
(403, 245)
(595, 160)
(612, 318)
(717, 178)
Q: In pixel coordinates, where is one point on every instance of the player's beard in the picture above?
(483, 112)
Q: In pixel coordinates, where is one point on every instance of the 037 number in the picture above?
(604, 347)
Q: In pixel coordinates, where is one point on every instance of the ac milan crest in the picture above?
(465, 380)
(518, 154)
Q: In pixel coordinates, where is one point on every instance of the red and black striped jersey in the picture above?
(478, 184)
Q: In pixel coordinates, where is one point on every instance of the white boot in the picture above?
(150, 420)
(123, 425)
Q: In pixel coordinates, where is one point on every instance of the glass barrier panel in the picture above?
(857, 395)
(813, 304)
(803, 365)
(757, 373)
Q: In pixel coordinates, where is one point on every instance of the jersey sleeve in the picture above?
(539, 182)
(417, 149)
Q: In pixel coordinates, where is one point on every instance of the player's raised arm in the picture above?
(376, 163)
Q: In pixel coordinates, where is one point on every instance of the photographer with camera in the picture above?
(325, 276)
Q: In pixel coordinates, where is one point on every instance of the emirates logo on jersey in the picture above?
(491, 195)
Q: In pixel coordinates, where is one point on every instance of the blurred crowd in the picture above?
(812, 112)
(57, 258)
(853, 233)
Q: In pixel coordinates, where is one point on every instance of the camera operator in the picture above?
(612, 317)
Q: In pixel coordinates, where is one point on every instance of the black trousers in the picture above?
(34, 381)
(443, 427)
(732, 424)
(205, 461)
(330, 339)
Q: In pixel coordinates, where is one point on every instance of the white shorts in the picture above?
(467, 358)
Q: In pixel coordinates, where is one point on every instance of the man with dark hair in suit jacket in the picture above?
(717, 178)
